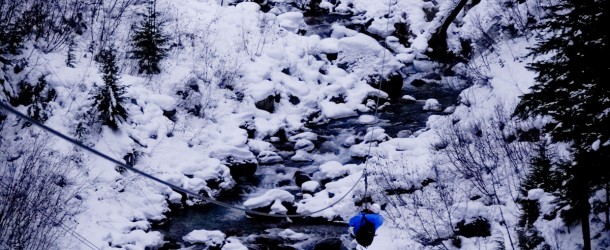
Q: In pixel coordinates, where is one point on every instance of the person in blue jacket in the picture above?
(364, 225)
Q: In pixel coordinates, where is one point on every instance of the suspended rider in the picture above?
(364, 225)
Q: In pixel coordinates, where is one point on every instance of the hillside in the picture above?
(451, 110)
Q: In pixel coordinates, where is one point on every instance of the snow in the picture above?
(269, 157)
(432, 105)
(304, 144)
(409, 98)
(269, 197)
(213, 238)
(366, 119)
(302, 155)
(375, 134)
(292, 235)
(233, 243)
(191, 151)
(305, 135)
(535, 194)
(595, 145)
(291, 21)
(310, 186)
(333, 169)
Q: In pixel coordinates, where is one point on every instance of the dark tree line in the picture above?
(573, 76)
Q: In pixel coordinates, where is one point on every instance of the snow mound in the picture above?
(304, 144)
(366, 119)
(376, 134)
(209, 238)
(310, 186)
(233, 243)
(292, 235)
(432, 105)
(271, 196)
(305, 135)
(291, 21)
(333, 169)
(269, 157)
(409, 98)
(302, 155)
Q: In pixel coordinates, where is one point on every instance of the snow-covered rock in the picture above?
(269, 157)
(304, 144)
(291, 21)
(310, 186)
(302, 155)
(268, 198)
(409, 98)
(288, 234)
(208, 238)
(233, 243)
(305, 135)
(432, 105)
(366, 119)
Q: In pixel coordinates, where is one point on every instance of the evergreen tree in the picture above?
(109, 99)
(70, 58)
(149, 41)
(573, 88)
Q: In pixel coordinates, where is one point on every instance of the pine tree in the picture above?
(573, 88)
(70, 56)
(149, 41)
(109, 97)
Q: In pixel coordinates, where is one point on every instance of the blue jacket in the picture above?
(356, 221)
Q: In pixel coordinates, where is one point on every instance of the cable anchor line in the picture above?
(10, 109)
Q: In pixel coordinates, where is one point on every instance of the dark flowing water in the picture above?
(394, 118)
(261, 233)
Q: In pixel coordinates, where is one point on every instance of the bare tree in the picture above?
(485, 151)
(37, 192)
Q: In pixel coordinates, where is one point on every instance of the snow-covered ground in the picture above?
(233, 60)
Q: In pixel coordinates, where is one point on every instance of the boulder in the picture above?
(330, 244)
(300, 178)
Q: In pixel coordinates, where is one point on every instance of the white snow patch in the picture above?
(310, 186)
(209, 238)
(268, 198)
(432, 105)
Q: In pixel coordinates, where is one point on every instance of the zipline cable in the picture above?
(181, 189)
(376, 113)
(210, 200)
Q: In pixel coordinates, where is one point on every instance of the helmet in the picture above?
(375, 208)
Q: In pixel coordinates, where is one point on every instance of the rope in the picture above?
(181, 189)
(376, 113)
(210, 200)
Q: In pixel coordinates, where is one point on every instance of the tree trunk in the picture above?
(607, 206)
(438, 40)
(584, 210)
